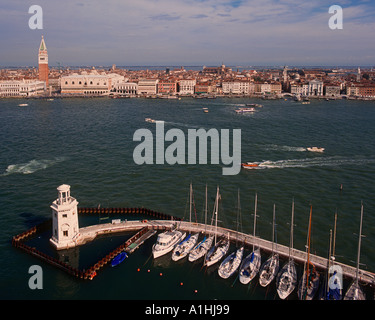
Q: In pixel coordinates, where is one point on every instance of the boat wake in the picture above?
(285, 148)
(32, 166)
(315, 162)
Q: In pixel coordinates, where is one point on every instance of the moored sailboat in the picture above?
(355, 291)
(309, 282)
(204, 245)
(286, 280)
(220, 248)
(251, 264)
(183, 248)
(269, 269)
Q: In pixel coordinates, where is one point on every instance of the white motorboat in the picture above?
(184, 247)
(315, 149)
(166, 241)
(23, 105)
(245, 110)
(231, 263)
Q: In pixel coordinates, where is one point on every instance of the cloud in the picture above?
(189, 32)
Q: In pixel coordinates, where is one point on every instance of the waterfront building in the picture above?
(89, 84)
(332, 90)
(203, 88)
(65, 227)
(148, 86)
(236, 87)
(364, 90)
(167, 86)
(128, 88)
(21, 88)
(43, 62)
(315, 88)
(299, 89)
(187, 86)
(270, 88)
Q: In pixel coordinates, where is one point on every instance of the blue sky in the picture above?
(189, 32)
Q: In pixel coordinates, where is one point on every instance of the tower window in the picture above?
(65, 233)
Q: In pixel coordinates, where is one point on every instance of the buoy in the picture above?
(148, 270)
(195, 290)
(181, 284)
(138, 269)
(160, 274)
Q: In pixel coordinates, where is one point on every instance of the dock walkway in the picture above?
(89, 233)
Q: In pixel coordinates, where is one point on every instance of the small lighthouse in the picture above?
(65, 228)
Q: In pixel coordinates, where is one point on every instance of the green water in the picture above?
(88, 144)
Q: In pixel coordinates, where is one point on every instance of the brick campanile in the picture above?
(43, 62)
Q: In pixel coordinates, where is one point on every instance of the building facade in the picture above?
(127, 88)
(148, 86)
(89, 84)
(315, 88)
(186, 86)
(21, 88)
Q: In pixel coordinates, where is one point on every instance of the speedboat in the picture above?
(315, 149)
(118, 259)
(150, 120)
(166, 241)
(183, 248)
(249, 165)
(23, 105)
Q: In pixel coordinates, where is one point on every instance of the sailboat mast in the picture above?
(291, 231)
(191, 192)
(273, 227)
(359, 243)
(216, 210)
(308, 248)
(334, 238)
(205, 212)
(255, 218)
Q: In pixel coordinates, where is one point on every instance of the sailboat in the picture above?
(182, 249)
(355, 291)
(220, 248)
(203, 246)
(286, 279)
(269, 269)
(251, 264)
(332, 285)
(233, 261)
(309, 282)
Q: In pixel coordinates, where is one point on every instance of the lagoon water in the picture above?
(88, 144)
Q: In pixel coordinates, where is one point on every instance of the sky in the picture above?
(189, 32)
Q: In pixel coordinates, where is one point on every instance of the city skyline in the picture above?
(193, 32)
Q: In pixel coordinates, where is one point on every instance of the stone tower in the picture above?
(65, 228)
(43, 62)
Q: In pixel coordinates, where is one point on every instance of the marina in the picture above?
(147, 228)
